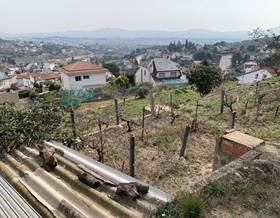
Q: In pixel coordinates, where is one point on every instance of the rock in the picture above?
(258, 173)
(237, 177)
(266, 166)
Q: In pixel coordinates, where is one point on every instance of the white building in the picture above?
(254, 76)
(82, 74)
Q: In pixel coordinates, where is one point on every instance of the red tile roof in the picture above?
(45, 76)
(82, 67)
(39, 76)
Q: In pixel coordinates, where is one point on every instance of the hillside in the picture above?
(160, 146)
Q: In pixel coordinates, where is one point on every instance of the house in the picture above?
(250, 66)
(82, 74)
(6, 82)
(28, 79)
(23, 79)
(46, 67)
(160, 71)
(254, 76)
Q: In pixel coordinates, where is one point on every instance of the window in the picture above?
(86, 77)
(173, 74)
(257, 76)
(161, 75)
(144, 72)
(264, 76)
(78, 78)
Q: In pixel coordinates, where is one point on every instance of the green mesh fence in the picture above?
(75, 97)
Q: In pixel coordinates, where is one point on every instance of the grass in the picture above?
(184, 99)
(190, 206)
(185, 206)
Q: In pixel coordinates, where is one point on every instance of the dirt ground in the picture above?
(157, 157)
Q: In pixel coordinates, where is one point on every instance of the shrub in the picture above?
(54, 87)
(33, 94)
(122, 82)
(190, 206)
(142, 90)
(167, 210)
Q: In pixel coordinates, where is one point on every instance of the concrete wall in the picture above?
(95, 80)
(7, 97)
(143, 75)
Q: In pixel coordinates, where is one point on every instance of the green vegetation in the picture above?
(205, 78)
(28, 127)
(112, 67)
(184, 206)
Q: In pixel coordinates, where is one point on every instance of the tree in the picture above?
(112, 67)
(202, 55)
(272, 46)
(236, 58)
(122, 82)
(251, 48)
(205, 77)
(30, 126)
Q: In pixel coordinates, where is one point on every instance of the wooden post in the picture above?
(232, 122)
(117, 112)
(171, 106)
(256, 93)
(124, 103)
(152, 102)
(194, 126)
(196, 111)
(73, 123)
(277, 110)
(222, 100)
(143, 124)
(101, 158)
(185, 141)
(132, 156)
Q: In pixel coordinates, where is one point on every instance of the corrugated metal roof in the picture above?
(12, 205)
(64, 195)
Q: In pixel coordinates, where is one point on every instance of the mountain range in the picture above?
(109, 33)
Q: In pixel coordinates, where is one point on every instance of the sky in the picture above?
(34, 16)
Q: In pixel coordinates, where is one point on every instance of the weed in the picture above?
(190, 206)
(167, 210)
(214, 190)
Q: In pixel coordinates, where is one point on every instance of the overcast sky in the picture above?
(25, 16)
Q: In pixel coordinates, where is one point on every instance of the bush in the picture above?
(54, 87)
(33, 94)
(190, 206)
(167, 210)
(121, 82)
(142, 90)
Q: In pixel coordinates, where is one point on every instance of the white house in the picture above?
(46, 67)
(82, 74)
(160, 71)
(254, 76)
